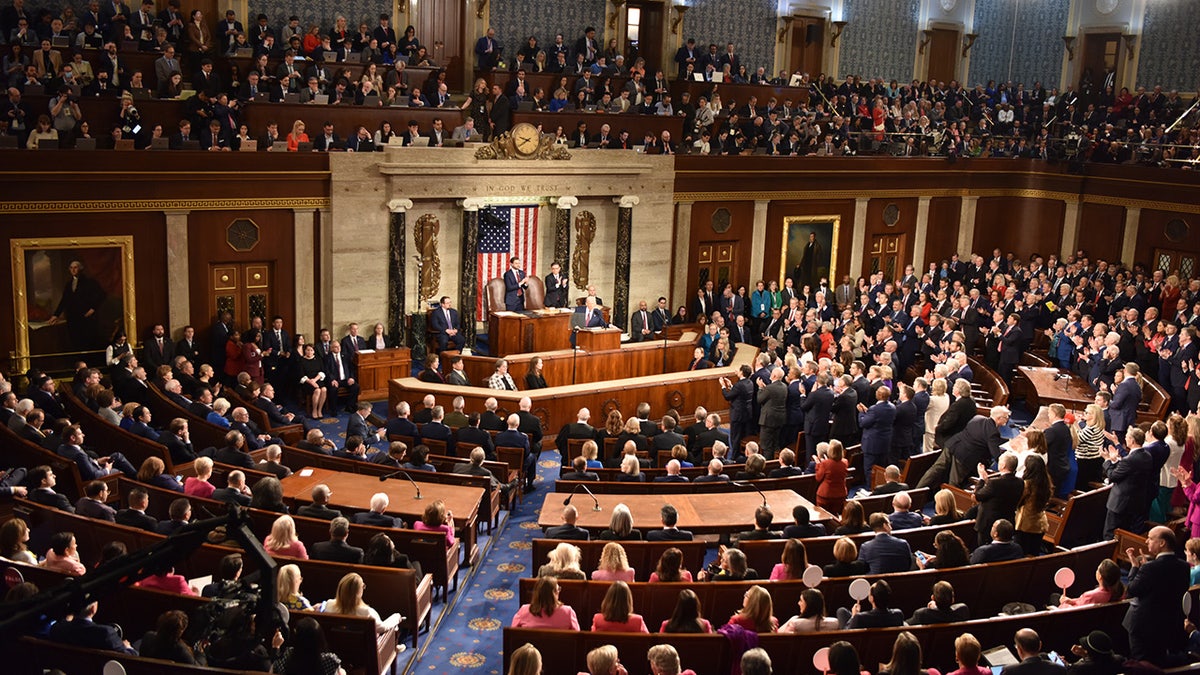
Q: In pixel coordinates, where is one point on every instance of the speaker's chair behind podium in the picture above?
(535, 293)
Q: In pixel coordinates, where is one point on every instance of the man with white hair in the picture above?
(401, 425)
(488, 419)
(513, 438)
(376, 516)
(530, 424)
(577, 430)
(772, 399)
(979, 443)
(673, 475)
(425, 414)
(714, 475)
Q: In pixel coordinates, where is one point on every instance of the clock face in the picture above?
(525, 138)
(1106, 6)
(948, 5)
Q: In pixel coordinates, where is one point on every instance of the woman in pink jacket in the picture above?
(544, 609)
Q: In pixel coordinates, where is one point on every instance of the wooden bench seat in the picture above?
(911, 472)
(642, 555)
(108, 438)
(44, 655)
(18, 452)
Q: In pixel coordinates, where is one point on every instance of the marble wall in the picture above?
(749, 24)
(880, 39)
(436, 180)
(516, 21)
(1018, 41)
(1170, 53)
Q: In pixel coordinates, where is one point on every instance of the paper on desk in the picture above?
(305, 472)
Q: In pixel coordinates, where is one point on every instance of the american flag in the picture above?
(505, 231)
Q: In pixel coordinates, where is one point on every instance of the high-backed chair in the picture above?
(535, 293)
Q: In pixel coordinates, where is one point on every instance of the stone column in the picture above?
(758, 240)
(919, 239)
(680, 259)
(179, 307)
(468, 282)
(562, 231)
(1071, 219)
(620, 310)
(859, 243)
(397, 231)
(1133, 216)
(304, 222)
(966, 227)
(325, 240)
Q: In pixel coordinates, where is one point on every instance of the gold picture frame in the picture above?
(796, 230)
(41, 276)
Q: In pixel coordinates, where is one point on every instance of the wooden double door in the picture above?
(245, 289)
(717, 261)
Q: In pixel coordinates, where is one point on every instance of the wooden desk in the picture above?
(1044, 388)
(718, 512)
(598, 339)
(539, 330)
(354, 491)
(559, 366)
(637, 125)
(376, 368)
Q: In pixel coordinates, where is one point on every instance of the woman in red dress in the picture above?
(252, 355)
(233, 356)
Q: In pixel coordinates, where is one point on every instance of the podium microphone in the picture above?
(595, 502)
(393, 474)
(755, 488)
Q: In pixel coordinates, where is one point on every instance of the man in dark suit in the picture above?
(471, 436)
(235, 490)
(667, 438)
(514, 286)
(43, 477)
(907, 427)
(741, 396)
(179, 513)
(82, 631)
(1033, 662)
(817, 407)
(803, 527)
(891, 482)
(942, 608)
(772, 401)
(265, 401)
(707, 438)
(91, 468)
(437, 430)
(376, 516)
(158, 350)
(593, 316)
(885, 553)
(577, 430)
(568, 530)
(579, 471)
(979, 443)
(1001, 547)
(876, 423)
(357, 425)
(1158, 578)
(1126, 397)
(336, 549)
(234, 451)
(669, 532)
(277, 348)
(343, 376)
(92, 505)
(1132, 478)
(319, 508)
(556, 287)
(672, 476)
(135, 515)
(401, 425)
(844, 411)
(639, 323)
(445, 324)
(81, 298)
(488, 419)
(1058, 444)
(487, 50)
(997, 496)
(512, 438)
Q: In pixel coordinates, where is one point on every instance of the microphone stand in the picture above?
(394, 474)
(754, 487)
(574, 351)
(595, 502)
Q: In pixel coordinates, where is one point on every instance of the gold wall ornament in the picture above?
(524, 141)
(585, 232)
(425, 235)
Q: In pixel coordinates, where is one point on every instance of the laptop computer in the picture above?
(303, 147)
(262, 97)
(396, 141)
(321, 99)
(185, 94)
(60, 41)
(48, 144)
(279, 146)
(140, 94)
(353, 57)
(85, 144)
(249, 146)
(291, 97)
(124, 144)
(699, 77)
(8, 142)
(525, 106)
(420, 142)
(528, 67)
(589, 108)
(330, 57)
(401, 102)
(160, 144)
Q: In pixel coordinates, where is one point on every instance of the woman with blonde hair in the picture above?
(437, 518)
(563, 563)
(631, 470)
(757, 613)
(198, 485)
(847, 564)
(1090, 446)
(590, 451)
(614, 565)
(526, 660)
(939, 401)
(287, 588)
(616, 613)
(282, 542)
(349, 600)
(620, 526)
(297, 136)
(545, 610)
(945, 508)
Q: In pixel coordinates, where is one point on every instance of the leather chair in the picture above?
(535, 294)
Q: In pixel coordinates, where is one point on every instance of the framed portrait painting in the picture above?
(71, 296)
(809, 250)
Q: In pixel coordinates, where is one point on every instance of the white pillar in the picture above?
(1070, 236)
(966, 227)
(1133, 216)
(921, 236)
(325, 243)
(304, 225)
(179, 308)
(858, 241)
(680, 256)
(758, 241)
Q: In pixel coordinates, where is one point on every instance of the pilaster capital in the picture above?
(566, 202)
(627, 201)
(472, 204)
(399, 205)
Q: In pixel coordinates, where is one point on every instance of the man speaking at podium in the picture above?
(514, 286)
(592, 316)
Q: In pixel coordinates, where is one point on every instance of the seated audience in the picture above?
(437, 518)
(731, 566)
(811, 618)
(544, 609)
(63, 556)
(901, 517)
(686, 618)
(944, 508)
(616, 613)
(764, 518)
(166, 640)
(563, 563)
(885, 553)
(620, 526)
(287, 588)
(906, 657)
(1108, 587)
(307, 652)
(1002, 546)
(82, 631)
(614, 566)
(793, 562)
(949, 551)
(670, 567)
(664, 660)
(283, 542)
(852, 521)
(941, 607)
(967, 652)
(198, 485)
(803, 527)
(757, 612)
(349, 600)
(381, 552)
(14, 539)
(337, 549)
(880, 615)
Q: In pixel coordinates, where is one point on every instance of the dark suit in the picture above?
(155, 355)
(348, 372)
(817, 407)
(514, 292)
(556, 290)
(1034, 665)
(669, 534)
(997, 551)
(1058, 448)
(511, 438)
(741, 410)
(997, 500)
(567, 532)
(234, 457)
(845, 417)
(138, 519)
(1154, 619)
(576, 431)
(885, 554)
(439, 432)
(94, 509)
(231, 496)
(876, 424)
(440, 324)
(378, 519)
(579, 475)
(48, 497)
(1123, 407)
(905, 430)
(1129, 500)
(83, 632)
(772, 400)
(978, 443)
(336, 551)
(318, 511)
(357, 426)
(472, 437)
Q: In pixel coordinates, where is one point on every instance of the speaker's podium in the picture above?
(537, 329)
(598, 339)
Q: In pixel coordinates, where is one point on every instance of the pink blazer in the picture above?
(563, 617)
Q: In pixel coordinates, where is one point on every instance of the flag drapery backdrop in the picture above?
(505, 231)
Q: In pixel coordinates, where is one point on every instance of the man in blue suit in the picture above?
(1157, 580)
(89, 468)
(445, 324)
(514, 286)
(487, 50)
(342, 375)
(876, 424)
(740, 395)
(277, 347)
(593, 317)
(817, 407)
(511, 438)
(357, 425)
(1122, 410)
(1131, 478)
(82, 631)
(885, 553)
